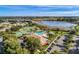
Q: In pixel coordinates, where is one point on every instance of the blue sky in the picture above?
(39, 10)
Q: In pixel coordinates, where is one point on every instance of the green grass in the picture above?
(77, 30)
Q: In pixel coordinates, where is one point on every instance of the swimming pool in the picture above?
(39, 32)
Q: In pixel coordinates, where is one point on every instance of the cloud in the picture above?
(40, 10)
(58, 6)
(61, 13)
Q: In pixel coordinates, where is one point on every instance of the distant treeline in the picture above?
(24, 18)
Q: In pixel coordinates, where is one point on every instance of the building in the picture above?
(42, 36)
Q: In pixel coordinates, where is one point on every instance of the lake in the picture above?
(57, 24)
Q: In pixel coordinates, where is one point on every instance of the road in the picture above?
(57, 44)
(49, 48)
(75, 48)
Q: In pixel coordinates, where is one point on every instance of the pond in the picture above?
(57, 23)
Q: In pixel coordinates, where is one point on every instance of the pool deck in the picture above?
(42, 39)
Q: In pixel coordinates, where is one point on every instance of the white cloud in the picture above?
(66, 13)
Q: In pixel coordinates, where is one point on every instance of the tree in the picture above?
(12, 45)
(32, 44)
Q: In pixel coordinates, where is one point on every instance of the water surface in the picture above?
(57, 23)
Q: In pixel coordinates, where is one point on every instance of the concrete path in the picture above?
(49, 48)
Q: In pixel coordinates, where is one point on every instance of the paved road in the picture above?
(75, 48)
(57, 44)
(49, 48)
(1, 48)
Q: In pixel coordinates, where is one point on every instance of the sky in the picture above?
(39, 10)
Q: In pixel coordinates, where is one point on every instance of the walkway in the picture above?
(49, 48)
